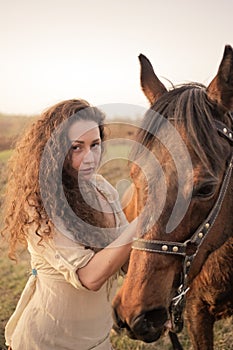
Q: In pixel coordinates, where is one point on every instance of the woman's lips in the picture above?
(87, 170)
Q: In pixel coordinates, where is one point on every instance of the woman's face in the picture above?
(86, 147)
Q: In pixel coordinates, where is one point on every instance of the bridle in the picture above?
(183, 249)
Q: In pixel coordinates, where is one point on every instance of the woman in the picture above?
(72, 223)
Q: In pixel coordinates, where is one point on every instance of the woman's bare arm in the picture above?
(108, 261)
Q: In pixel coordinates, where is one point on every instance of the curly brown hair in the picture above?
(29, 165)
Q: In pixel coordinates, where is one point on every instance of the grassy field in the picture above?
(5, 155)
(14, 276)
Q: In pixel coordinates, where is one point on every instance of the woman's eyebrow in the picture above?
(77, 141)
(97, 140)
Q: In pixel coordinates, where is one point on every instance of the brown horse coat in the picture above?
(143, 305)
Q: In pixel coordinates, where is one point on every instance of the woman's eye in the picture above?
(95, 145)
(76, 148)
(205, 190)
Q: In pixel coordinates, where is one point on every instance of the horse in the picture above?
(181, 258)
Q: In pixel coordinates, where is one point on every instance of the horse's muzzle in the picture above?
(148, 326)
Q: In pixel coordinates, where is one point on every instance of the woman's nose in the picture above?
(88, 157)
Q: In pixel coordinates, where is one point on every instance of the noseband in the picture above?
(183, 249)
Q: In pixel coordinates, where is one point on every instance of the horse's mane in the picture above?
(186, 106)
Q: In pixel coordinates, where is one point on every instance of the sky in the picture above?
(52, 50)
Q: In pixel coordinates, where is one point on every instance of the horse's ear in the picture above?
(151, 85)
(220, 89)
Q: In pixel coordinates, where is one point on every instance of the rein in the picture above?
(183, 249)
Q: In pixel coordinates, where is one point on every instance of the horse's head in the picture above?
(183, 134)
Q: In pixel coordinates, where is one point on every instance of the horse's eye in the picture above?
(204, 191)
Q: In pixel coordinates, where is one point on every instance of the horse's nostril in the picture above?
(118, 323)
(140, 324)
